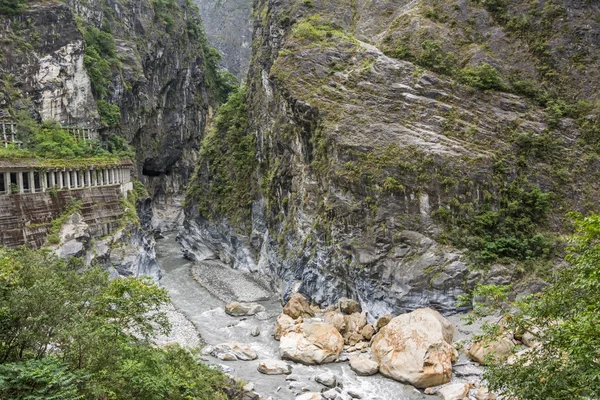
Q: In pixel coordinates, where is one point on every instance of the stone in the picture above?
(364, 366)
(283, 323)
(311, 343)
(348, 306)
(248, 387)
(255, 332)
(367, 331)
(498, 349)
(483, 393)
(327, 378)
(383, 321)
(354, 324)
(232, 351)
(310, 396)
(297, 307)
(330, 394)
(416, 348)
(456, 391)
(354, 394)
(274, 367)
(336, 319)
(236, 309)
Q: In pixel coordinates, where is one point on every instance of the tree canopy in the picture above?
(68, 332)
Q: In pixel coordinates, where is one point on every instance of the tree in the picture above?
(68, 332)
(564, 319)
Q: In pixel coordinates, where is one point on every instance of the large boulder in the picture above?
(236, 309)
(274, 367)
(416, 348)
(497, 349)
(352, 331)
(326, 378)
(311, 343)
(364, 366)
(298, 306)
(336, 319)
(283, 323)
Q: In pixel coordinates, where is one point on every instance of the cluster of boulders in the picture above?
(414, 348)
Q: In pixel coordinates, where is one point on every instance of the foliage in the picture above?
(110, 114)
(228, 159)
(163, 13)
(433, 57)
(10, 8)
(508, 230)
(563, 319)
(483, 77)
(68, 332)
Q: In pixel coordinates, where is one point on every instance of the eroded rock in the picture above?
(311, 343)
(236, 309)
(274, 367)
(416, 348)
(364, 366)
(298, 306)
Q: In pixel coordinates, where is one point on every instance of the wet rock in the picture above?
(348, 306)
(274, 367)
(298, 306)
(498, 349)
(283, 324)
(327, 378)
(330, 394)
(236, 309)
(457, 391)
(416, 348)
(249, 387)
(364, 366)
(255, 332)
(311, 343)
(233, 351)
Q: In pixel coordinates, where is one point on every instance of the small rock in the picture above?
(255, 332)
(368, 331)
(330, 394)
(292, 377)
(484, 394)
(429, 391)
(383, 321)
(236, 309)
(298, 386)
(327, 378)
(274, 367)
(249, 387)
(349, 306)
(298, 306)
(233, 351)
(354, 395)
(364, 366)
(456, 391)
(310, 396)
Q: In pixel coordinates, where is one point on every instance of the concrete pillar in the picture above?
(105, 177)
(52, 178)
(75, 177)
(7, 182)
(68, 177)
(113, 176)
(88, 178)
(42, 176)
(31, 182)
(60, 182)
(20, 181)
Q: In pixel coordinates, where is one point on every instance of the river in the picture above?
(201, 301)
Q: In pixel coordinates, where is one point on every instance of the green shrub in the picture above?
(110, 114)
(483, 77)
(100, 59)
(10, 8)
(433, 57)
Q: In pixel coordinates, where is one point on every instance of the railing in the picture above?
(9, 136)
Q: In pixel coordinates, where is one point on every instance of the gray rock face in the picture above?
(361, 155)
(228, 25)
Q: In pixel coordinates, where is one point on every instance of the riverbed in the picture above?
(199, 292)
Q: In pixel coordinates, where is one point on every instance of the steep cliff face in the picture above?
(385, 141)
(135, 69)
(228, 25)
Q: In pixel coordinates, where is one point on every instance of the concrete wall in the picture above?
(26, 219)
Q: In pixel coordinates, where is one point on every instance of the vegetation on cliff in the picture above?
(222, 183)
(73, 334)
